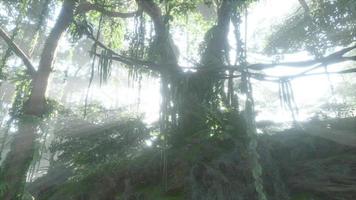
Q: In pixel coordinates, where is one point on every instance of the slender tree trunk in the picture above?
(36, 103)
(18, 160)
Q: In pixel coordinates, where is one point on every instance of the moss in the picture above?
(156, 193)
(153, 193)
(304, 196)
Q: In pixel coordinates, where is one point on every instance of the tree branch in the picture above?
(332, 58)
(86, 7)
(15, 48)
(271, 78)
(134, 62)
(126, 60)
(305, 6)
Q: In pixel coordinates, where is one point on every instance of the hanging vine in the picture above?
(286, 96)
(104, 66)
(246, 88)
(137, 51)
(94, 47)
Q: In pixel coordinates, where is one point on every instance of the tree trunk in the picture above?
(36, 103)
(197, 95)
(18, 160)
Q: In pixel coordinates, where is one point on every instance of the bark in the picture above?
(18, 160)
(198, 96)
(36, 103)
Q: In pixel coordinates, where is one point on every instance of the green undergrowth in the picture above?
(296, 165)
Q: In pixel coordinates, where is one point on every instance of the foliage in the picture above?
(304, 160)
(79, 28)
(88, 147)
(23, 84)
(111, 30)
(331, 23)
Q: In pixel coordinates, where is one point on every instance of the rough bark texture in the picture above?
(18, 160)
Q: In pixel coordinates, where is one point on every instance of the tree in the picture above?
(191, 101)
(14, 169)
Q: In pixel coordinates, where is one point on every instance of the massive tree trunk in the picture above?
(197, 94)
(18, 160)
(201, 84)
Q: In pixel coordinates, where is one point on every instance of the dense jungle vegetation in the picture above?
(177, 99)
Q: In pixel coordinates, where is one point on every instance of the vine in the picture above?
(249, 114)
(94, 47)
(286, 96)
